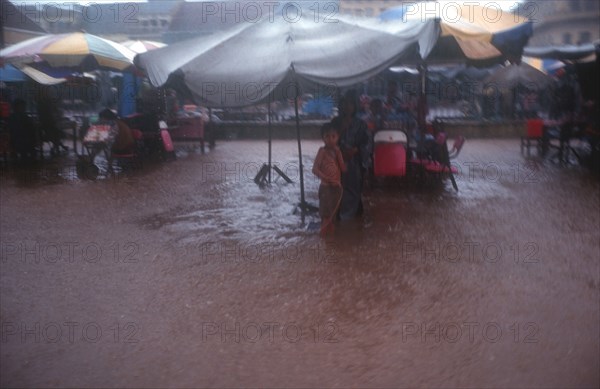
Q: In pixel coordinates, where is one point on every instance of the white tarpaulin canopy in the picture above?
(245, 63)
(248, 62)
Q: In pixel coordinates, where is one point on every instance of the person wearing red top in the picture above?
(328, 166)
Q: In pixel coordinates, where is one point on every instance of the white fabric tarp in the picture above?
(245, 63)
(41, 77)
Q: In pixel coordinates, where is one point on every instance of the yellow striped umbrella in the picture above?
(469, 32)
(79, 50)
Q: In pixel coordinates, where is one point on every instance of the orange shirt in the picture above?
(124, 138)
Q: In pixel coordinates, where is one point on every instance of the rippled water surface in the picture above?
(187, 274)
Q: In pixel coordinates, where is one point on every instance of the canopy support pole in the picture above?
(264, 174)
(304, 206)
(270, 135)
(209, 131)
(422, 122)
(302, 199)
(422, 107)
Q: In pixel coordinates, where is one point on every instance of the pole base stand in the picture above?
(262, 177)
(305, 207)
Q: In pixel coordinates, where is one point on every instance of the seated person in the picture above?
(434, 141)
(121, 139)
(376, 118)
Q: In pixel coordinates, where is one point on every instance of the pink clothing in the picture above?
(329, 165)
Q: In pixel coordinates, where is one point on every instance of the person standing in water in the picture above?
(355, 145)
(328, 166)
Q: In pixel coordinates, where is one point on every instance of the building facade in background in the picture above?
(125, 21)
(369, 8)
(556, 22)
(115, 21)
(563, 22)
(17, 26)
(192, 19)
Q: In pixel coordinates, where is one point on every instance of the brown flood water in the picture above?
(186, 274)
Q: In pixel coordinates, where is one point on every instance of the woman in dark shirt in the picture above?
(355, 145)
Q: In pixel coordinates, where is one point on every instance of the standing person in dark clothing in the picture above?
(22, 132)
(48, 116)
(355, 145)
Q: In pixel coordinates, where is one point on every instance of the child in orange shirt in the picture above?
(328, 166)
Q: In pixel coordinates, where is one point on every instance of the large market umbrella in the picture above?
(63, 55)
(245, 63)
(475, 34)
(79, 51)
(141, 46)
(251, 63)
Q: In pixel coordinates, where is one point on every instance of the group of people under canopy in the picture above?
(26, 134)
(355, 142)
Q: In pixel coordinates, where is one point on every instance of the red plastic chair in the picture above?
(131, 156)
(457, 147)
(168, 148)
(443, 166)
(534, 136)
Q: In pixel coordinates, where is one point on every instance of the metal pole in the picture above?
(422, 103)
(302, 199)
(208, 130)
(270, 134)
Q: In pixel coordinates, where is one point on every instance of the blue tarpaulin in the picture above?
(9, 73)
(128, 94)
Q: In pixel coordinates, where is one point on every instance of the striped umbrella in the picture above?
(476, 34)
(142, 46)
(80, 51)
